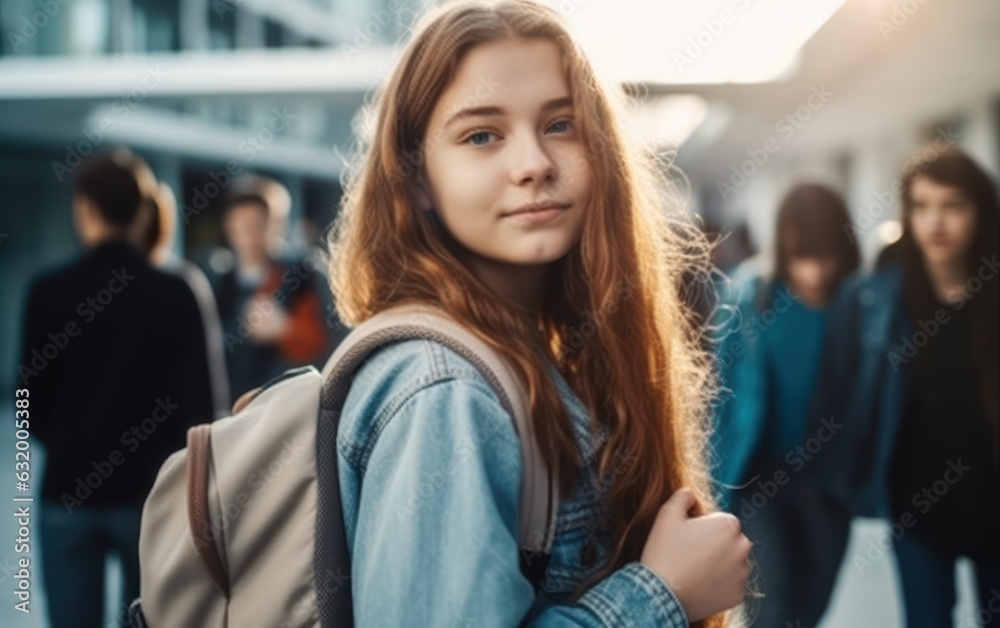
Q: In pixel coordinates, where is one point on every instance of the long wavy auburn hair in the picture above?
(613, 318)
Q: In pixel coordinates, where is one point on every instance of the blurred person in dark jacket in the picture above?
(272, 314)
(769, 359)
(913, 354)
(115, 364)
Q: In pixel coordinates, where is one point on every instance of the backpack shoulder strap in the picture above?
(538, 498)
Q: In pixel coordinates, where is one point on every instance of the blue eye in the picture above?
(565, 124)
(483, 135)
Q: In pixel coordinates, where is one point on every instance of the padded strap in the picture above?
(538, 497)
(199, 462)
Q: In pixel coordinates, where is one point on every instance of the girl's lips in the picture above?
(536, 207)
(536, 216)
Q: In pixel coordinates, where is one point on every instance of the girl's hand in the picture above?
(704, 560)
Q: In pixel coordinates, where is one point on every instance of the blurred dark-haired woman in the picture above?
(769, 358)
(914, 349)
(157, 243)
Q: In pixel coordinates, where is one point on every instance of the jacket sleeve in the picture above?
(839, 465)
(209, 315)
(194, 383)
(434, 541)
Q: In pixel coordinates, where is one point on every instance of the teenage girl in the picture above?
(497, 185)
(915, 346)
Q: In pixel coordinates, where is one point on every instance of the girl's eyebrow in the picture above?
(492, 110)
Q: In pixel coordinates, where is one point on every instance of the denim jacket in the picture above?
(430, 472)
(863, 387)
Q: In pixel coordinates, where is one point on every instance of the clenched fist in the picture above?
(704, 560)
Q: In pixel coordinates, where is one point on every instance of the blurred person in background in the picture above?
(157, 242)
(271, 311)
(769, 360)
(913, 353)
(115, 364)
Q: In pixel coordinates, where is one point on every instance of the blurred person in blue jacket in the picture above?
(769, 360)
(912, 356)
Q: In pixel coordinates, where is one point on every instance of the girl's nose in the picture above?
(532, 163)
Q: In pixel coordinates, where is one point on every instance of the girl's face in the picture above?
(811, 277)
(942, 219)
(503, 138)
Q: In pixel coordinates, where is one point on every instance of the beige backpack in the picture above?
(244, 527)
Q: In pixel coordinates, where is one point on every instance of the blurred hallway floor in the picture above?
(872, 598)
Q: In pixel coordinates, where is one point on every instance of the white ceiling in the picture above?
(944, 57)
